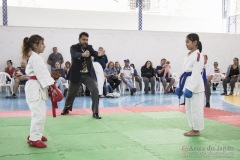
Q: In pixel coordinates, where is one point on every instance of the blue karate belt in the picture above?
(204, 76)
(187, 74)
(183, 80)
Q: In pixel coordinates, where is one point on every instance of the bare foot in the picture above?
(187, 132)
(192, 133)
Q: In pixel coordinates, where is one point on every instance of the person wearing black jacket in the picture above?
(148, 75)
(103, 60)
(82, 71)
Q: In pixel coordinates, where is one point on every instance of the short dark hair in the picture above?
(68, 63)
(163, 59)
(10, 61)
(83, 34)
(54, 47)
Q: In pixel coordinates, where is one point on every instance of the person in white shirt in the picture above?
(100, 77)
(127, 76)
(209, 73)
(192, 83)
(36, 88)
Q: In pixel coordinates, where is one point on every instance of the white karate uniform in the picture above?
(37, 93)
(100, 76)
(194, 106)
(209, 70)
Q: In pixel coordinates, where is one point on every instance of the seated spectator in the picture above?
(66, 69)
(167, 69)
(209, 70)
(137, 77)
(58, 74)
(127, 76)
(112, 76)
(55, 57)
(148, 75)
(160, 72)
(20, 77)
(232, 75)
(103, 60)
(216, 70)
(9, 69)
(118, 67)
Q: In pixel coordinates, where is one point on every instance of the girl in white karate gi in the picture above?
(192, 85)
(36, 88)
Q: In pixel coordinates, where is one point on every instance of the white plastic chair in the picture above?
(217, 78)
(237, 86)
(123, 86)
(66, 85)
(19, 87)
(143, 85)
(3, 82)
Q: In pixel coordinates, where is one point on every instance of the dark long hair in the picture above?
(28, 44)
(194, 37)
(145, 65)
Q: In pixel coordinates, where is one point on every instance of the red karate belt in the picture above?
(54, 98)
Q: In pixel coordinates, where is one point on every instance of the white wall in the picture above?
(59, 18)
(138, 46)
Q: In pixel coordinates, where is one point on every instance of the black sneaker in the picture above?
(207, 105)
(14, 96)
(224, 94)
(133, 90)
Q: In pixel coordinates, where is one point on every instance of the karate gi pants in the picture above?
(194, 111)
(38, 116)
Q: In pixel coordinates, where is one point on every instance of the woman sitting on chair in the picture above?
(9, 69)
(216, 70)
(148, 75)
(112, 75)
(232, 75)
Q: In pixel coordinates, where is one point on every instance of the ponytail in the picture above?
(194, 37)
(28, 45)
(25, 48)
(199, 46)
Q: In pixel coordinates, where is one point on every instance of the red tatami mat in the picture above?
(213, 114)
